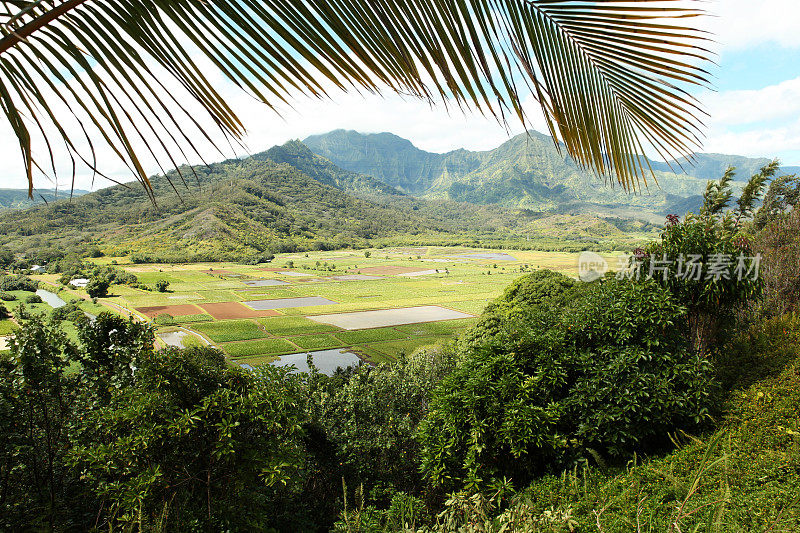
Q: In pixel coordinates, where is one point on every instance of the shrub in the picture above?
(697, 246)
(7, 297)
(70, 312)
(97, 288)
(779, 243)
(162, 285)
(4, 312)
(33, 299)
(18, 283)
(542, 287)
(607, 376)
(164, 319)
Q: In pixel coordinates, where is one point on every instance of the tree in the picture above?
(162, 285)
(782, 196)
(97, 287)
(37, 398)
(607, 74)
(193, 442)
(605, 375)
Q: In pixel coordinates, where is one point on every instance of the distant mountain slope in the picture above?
(297, 154)
(240, 205)
(283, 199)
(712, 166)
(525, 172)
(389, 158)
(18, 198)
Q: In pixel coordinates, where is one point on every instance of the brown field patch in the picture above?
(387, 270)
(272, 269)
(174, 310)
(229, 310)
(220, 271)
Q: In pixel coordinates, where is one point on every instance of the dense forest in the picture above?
(632, 401)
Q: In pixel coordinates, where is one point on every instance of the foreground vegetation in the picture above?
(617, 404)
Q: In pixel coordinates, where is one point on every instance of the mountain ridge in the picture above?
(526, 171)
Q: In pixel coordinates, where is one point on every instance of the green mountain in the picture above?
(235, 207)
(527, 171)
(297, 154)
(284, 199)
(18, 198)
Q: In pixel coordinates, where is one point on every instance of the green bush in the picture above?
(607, 376)
(18, 283)
(7, 297)
(70, 312)
(709, 298)
(542, 287)
(97, 288)
(164, 319)
(162, 285)
(779, 243)
(370, 415)
(33, 299)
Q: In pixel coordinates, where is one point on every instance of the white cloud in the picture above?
(756, 123)
(775, 102)
(739, 24)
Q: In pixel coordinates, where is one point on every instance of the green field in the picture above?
(463, 284)
(231, 330)
(7, 327)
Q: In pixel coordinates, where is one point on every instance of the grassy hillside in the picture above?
(286, 199)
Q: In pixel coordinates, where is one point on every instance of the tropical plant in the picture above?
(779, 244)
(128, 75)
(192, 442)
(707, 260)
(37, 398)
(370, 416)
(606, 376)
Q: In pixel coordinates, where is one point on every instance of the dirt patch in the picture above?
(387, 270)
(230, 310)
(174, 310)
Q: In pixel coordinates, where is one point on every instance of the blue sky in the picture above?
(753, 111)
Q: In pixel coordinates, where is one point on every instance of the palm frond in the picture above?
(610, 75)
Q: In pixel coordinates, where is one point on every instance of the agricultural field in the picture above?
(375, 303)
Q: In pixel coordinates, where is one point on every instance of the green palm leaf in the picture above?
(610, 75)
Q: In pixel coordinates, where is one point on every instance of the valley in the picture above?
(371, 305)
